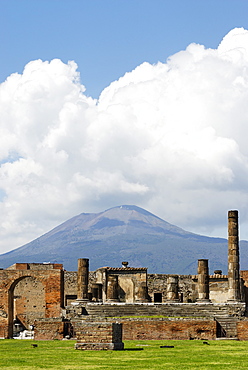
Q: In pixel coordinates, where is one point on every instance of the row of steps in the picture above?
(170, 309)
(226, 315)
(226, 327)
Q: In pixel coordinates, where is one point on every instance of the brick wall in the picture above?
(39, 293)
(162, 329)
(98, 335)
(242, 329)
(49, 329)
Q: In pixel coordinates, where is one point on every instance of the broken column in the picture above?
(203, 281)
(233, 257)
(83, 279)
(112, 288)
(172, 288)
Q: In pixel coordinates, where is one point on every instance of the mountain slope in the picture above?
(124, 233)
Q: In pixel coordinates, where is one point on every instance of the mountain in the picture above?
(125, 233)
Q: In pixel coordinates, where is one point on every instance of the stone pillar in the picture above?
(142, 293)
(112, 288)
(233, 257)
(83, 279)
(172, 288)
(96, 290)
(203, 281)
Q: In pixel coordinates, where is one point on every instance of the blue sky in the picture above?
(166, 129)
(109, 38)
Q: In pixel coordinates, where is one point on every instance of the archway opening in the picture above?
(27, 303)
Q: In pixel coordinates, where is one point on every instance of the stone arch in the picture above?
(49, 278)
(30, 292)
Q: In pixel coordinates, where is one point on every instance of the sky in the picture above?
(104, 103)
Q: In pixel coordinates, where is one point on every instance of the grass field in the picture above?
(221, 355)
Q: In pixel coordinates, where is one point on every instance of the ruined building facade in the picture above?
(52, 303)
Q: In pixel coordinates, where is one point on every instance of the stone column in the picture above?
(203, 281)
(83, 279)
(112, 288)
(233, 257)
(172, 288)
(96, 290)
(142, 293)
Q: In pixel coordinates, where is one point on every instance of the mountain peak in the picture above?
(123, 233)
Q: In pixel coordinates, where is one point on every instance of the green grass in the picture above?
(221, 355)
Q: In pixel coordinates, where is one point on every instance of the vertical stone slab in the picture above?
(203, 281)
(172, 288)
(233, 257)
(112, 288)
(83, 278)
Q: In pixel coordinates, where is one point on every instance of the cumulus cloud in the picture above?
(169, 137)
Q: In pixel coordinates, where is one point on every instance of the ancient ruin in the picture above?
(103, 307)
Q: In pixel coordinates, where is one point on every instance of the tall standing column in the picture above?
(83, 278)
(172, 288)
(203, 281)
(233, 257)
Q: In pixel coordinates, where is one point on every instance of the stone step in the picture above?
(227, 326)
(184, 310)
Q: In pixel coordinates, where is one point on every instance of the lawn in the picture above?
(194, 354)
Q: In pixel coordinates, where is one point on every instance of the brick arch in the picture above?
(26, 300)
(51, 279)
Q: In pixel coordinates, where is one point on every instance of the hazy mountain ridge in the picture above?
(125, 233)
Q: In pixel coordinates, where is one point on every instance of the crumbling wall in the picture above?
(157, 285)
(70, 287)
(242, 329)
(50, 278)
(50, 329)
(218, 288)
(162, 329)
(29, 301)
(98, 335)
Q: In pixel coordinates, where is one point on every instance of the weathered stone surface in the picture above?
(163, 329)
(233, 256)
(49, 329)
(98, 335)
(83, 278)
(48, 279)
(172, 288)
(242, 329)
(203, 280)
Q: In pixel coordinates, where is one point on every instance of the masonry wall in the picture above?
(29, 301)
(148, 329)
(50, 329)
(70, 287)
(244, 276)
(242, 329)
(98, 335)
(218, 288)
(162, 329)
(188, 287)
(19, 281)
(157, 283)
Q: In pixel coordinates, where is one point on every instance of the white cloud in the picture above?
(169, 137)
